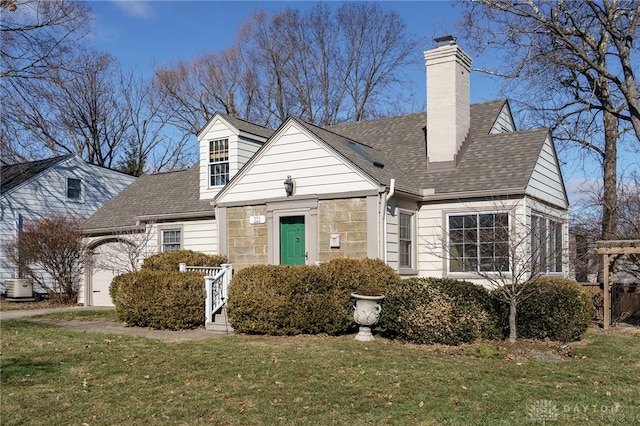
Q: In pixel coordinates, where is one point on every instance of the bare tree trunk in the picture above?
(513, 332)
(610, 176)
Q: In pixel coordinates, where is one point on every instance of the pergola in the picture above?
(610, 251)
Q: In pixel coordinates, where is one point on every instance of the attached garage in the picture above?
(106, 263)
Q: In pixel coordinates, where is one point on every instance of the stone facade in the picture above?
(348, 219)
(248, 243)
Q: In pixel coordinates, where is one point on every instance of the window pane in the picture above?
(73, 188)
(171, 240)
(479, 242)
(219, 162)
(405, 237)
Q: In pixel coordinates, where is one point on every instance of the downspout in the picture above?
(392, 190)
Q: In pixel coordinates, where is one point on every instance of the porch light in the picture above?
(288, 186)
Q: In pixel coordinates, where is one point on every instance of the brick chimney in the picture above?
(448, 102)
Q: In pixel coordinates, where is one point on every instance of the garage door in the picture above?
(105, 268)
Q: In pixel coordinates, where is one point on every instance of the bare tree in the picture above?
(36, 35)
(125, 250)
(504, 250)
(322, 66)
(51, 253)
(580, 54)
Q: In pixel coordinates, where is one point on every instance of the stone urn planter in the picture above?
(366, 313)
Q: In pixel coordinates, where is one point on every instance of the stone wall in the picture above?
(348, 218)
(248, 243)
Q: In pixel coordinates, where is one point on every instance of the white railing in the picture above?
(216, 282)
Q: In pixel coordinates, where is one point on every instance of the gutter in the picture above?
(392, 190)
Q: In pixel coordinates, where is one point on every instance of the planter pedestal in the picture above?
(366, 313)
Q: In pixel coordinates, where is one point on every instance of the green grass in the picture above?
(82, 315)
(57, 377)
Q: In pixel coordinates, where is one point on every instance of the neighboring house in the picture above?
(64, 185)
(421, 191)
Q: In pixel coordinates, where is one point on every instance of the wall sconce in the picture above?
(288, 186)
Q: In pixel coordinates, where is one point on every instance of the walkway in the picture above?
(108, 327)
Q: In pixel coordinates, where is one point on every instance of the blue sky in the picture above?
(156, 33)
(147, 34)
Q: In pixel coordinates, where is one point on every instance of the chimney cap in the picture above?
(445, 40)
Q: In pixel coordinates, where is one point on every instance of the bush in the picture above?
(170, 261)
(426, 310)
(159, 299)
(287, 300)
(470, 297)
(555, 308)
(369, 277)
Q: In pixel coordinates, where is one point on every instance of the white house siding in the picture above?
(46, 195)
(504, 122)
(394, 207)
(240, 151)
(546, 180)
(432, 256)
(217, 129)
(109, 261)
(314, 168)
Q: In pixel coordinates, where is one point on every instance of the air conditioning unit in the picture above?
(17, 288)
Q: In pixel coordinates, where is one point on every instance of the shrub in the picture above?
(159, 299)
(369, 277)
(555, 308)
(286, 300)
(424, 310)
(469, 297)
(170, 261)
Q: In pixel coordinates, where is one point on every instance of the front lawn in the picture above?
(57, 377)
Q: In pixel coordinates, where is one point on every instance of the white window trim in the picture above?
(163, 229)
(210, 163)
(447, 250)
(411, 269)
(551, 251)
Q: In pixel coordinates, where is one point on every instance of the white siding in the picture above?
(240, 151)
(432, 236)
(46, 195)
(504, 122)
(546, 179)
(314, 168)
(110, 257)
(216, 130)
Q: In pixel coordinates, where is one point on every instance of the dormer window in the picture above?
(218, 162)
(74, 188)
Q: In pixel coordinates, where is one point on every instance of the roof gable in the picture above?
(14, 175)
(301, 151)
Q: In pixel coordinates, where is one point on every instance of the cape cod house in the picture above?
(438, 193)
(63, 185)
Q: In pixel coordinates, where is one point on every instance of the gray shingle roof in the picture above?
(248, 127)
(14, 175)
(172, 193)
(491, 162)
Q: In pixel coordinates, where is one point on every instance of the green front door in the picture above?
(292, 247)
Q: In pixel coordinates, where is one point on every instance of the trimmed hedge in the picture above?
(159, 299)
(170, 261)
(289, 300)
(555, 308)
(428, 310)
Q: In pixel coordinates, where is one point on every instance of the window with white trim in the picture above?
(74, 188)
(218, 162)
(405, 240)
(546, 245)
(479, 242)
(171, 240)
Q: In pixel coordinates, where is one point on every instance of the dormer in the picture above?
(226, 144)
